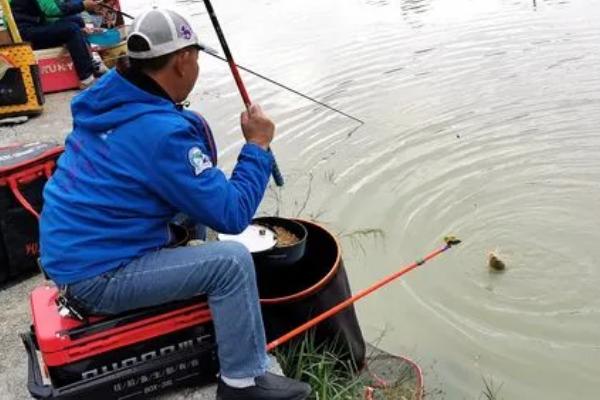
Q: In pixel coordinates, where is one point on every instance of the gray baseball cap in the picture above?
(159, 32)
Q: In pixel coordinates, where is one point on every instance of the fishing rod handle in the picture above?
(276, 172)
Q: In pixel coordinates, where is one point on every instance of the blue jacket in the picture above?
(132, 162)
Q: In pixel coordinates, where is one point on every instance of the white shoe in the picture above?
(87, 82)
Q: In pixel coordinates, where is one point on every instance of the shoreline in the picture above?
(13, 365)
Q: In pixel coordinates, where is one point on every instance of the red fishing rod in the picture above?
(449, 240)
(277, 177)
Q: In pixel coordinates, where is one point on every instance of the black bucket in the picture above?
(280, 257)
(294, 294)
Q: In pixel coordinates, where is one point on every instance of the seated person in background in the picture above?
(52, 23)
(134, 161)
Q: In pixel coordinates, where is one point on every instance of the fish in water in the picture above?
(495, 262)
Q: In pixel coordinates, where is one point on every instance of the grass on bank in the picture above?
(333, 376)
(321, 366)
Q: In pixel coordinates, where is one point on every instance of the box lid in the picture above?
(60, 345)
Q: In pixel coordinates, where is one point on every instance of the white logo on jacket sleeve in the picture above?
(199, 160)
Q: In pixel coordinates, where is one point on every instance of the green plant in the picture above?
(333, 377)
(323, 367)
(358, 237)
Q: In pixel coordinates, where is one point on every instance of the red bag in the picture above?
(24, 170)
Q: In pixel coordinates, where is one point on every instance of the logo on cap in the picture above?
(186, 32)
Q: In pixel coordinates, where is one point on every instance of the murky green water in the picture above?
(482, 120)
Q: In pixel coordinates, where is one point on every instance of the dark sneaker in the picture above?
(99, 68)
(268, 387)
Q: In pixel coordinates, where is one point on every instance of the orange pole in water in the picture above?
(450, 241)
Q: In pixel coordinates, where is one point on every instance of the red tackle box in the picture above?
(130, 356)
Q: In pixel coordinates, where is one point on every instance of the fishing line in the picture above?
(281, 85)
(214, 53)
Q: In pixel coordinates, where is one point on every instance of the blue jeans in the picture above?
(66, 31)
(222, 270)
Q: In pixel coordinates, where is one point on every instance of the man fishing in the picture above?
(134, 161)
(52, 23)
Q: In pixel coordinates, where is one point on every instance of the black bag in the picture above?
(24, 170)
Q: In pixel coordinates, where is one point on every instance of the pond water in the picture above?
(482, 119)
